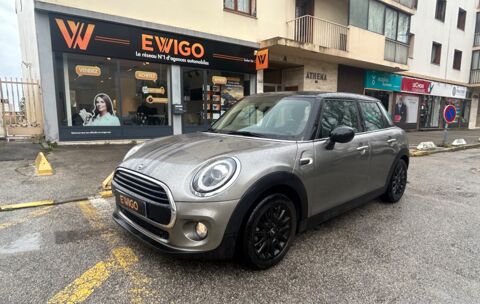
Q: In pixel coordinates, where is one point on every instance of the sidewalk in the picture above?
(471, 136)
(78, 171)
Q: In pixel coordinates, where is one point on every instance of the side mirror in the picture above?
(341, 134)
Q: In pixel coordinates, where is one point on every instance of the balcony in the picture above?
(476, 40)
(396, 51)
(408, 3)
(475, 76)
(310, 29)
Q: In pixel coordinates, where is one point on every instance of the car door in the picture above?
(340, 172)
(383, 139)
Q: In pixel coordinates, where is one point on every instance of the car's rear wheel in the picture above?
(269, 231)
(397, 184)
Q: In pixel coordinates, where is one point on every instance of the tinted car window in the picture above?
(372, 116)
(338, 113)
(269, 116)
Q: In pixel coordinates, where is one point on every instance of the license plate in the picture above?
(131, 204)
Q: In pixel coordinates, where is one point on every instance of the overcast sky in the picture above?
(10, 58)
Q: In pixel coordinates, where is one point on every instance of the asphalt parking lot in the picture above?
(425, 249)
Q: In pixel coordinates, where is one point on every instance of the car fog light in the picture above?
(201, 230)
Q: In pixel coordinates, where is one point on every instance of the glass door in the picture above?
(193, 88)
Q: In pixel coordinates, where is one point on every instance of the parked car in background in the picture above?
(274, 165)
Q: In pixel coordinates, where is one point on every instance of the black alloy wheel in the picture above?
(398, 183)
(269, 231)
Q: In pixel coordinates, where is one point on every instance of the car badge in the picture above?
(140, 167)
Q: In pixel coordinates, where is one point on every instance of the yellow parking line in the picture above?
(80, 289)
(26, 205)
(29, 216)
(122, 259)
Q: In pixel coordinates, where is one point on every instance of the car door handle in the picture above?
(362, 148)
(391, 140)
(306, 161)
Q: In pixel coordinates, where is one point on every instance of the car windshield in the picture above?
(267, 116)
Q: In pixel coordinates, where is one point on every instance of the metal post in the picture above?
(445, 135)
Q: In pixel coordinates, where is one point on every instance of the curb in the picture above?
(417, 153)
(13, 207)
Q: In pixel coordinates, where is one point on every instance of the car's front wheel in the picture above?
(269, 231)
(397, 184)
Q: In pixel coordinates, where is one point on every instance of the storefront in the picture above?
(286, 72)
(417, 103)
(421, 104)
(382, 86)
(117, 81)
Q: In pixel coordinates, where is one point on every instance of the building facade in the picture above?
(115, 70)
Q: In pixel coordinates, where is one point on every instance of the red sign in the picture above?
(449, 114)
(416, 85)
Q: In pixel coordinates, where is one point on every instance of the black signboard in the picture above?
(93, 37)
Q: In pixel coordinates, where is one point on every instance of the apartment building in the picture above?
(475, 73)
(441, 34)
(171, 67)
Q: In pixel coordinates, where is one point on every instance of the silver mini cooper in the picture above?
(272, 166)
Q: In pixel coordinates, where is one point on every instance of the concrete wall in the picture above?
(428, 29)
(329, 69)
(205, 16)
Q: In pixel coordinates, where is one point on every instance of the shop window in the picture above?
(376, 17)
(144, 90)
(436, 53)
(457, 60)
(440, 10)
(87, 91)
(207, 94)
(462, 15)
(359, 13)
(241, 6)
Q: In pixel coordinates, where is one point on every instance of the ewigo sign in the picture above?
(73, 34)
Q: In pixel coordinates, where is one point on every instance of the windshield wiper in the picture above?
(245, 133)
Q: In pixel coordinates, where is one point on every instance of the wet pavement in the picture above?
(424, 249)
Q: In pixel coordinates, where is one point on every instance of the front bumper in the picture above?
(177, 238)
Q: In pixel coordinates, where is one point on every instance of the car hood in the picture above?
(174, 159)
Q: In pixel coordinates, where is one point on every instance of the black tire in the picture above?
(397, 184)
(269, 232)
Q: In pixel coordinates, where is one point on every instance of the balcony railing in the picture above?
(396, 51)
(408, 3)
(475, 76)
(309, 29)
(476, 41)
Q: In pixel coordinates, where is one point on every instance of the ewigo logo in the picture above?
(165, 45)
(77, 35)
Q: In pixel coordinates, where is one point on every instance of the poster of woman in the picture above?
(102, 114)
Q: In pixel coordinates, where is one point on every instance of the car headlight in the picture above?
(215, 176)
(132, 151)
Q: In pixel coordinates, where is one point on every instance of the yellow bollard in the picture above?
(42, 166)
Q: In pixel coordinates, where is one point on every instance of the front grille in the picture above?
(147, 226)
(141, 187)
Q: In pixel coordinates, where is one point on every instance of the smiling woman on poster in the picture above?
(102, 114)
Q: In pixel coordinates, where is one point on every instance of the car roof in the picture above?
(321, 95)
